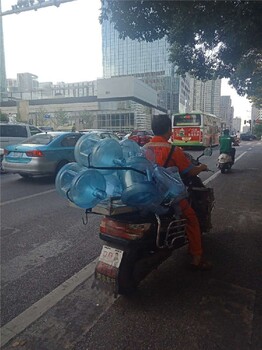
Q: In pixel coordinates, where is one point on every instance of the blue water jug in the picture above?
(138, 188)
(84, 148)
(130, 148)
(113, 185)
(65, 178)
(169, 183)
(109, 154)
(88, 189)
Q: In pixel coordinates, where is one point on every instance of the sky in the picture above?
(64, 44)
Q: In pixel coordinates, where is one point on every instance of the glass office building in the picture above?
(147, 61)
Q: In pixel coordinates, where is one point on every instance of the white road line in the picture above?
(26, 318)
(26, 197)
(212, 177)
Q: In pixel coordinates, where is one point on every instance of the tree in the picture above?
(40, 116)
(87, 118)
(257, 130)
(208, 39)
(61, 118)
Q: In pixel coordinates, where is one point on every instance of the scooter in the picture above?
(224, 162)
(136, 243)
(236, 142)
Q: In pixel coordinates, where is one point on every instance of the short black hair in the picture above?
(161, 124)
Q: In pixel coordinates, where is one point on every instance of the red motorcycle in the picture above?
(138, 242)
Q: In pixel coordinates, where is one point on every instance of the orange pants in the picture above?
(192, 228)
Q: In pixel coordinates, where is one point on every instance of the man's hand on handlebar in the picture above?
(203, 167)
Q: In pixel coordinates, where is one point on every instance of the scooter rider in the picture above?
(225, 143)
(161, 127)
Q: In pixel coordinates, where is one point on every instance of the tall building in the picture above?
(147, 61)
(256, 113)
(256, 117)
(205, 96)
(226, 111)
(27, 82)
(236, 125)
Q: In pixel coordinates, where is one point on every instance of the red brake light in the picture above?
(124, 230)
(34, 153)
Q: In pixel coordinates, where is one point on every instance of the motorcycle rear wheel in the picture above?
(126, 281)
(136, 265)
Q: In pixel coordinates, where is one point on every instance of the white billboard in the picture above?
(126, 87)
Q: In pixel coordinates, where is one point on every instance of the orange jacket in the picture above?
(162, 147)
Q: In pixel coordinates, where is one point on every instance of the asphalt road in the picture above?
(44, 243)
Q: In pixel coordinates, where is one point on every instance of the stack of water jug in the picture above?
(108, 168)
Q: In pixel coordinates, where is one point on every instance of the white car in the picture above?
(11, 134)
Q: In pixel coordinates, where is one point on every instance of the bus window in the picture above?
(187, 119)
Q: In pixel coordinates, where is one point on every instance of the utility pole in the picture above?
(2, 61)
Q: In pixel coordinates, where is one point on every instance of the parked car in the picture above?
(121, 135)
(41, 154)
(11, 134)
(126, 136)
(101, 134)
(141, 136)
(247, 137)
(46, 128)
(1, 159)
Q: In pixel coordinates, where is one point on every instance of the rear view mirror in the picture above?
(208, 152)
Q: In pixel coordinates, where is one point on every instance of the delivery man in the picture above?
(161, 127)
(225, 143)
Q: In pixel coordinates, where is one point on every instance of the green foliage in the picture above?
(4, 117)
(208, 39)
(40, 120)
(257, 130)
(87, 118)
(61, 118)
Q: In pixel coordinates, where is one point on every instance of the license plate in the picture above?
(111, 256)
